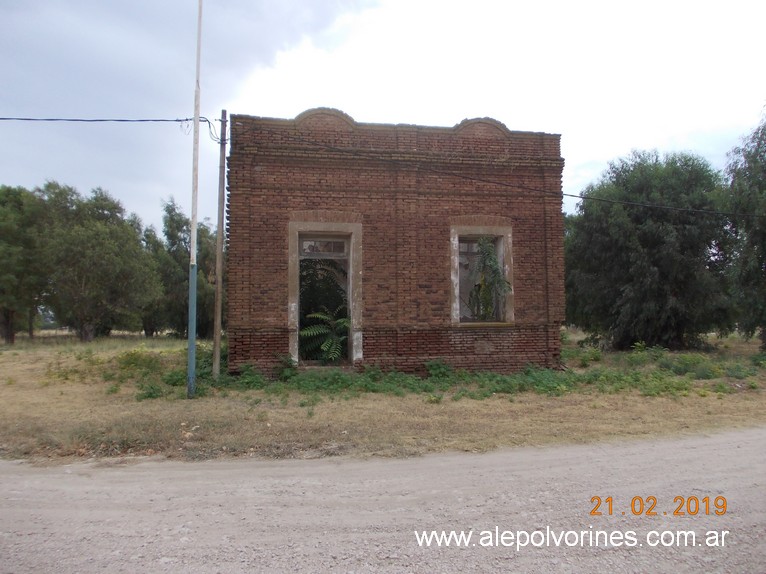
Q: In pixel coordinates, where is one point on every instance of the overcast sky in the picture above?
(609, 76)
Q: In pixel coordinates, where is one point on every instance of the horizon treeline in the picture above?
(90, 266)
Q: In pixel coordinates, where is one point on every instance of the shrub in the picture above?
(740, 371)
(438, 369)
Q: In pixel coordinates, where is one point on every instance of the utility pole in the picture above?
(192, 325)
(217, 327)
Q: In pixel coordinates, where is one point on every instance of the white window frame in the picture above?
(503, 238)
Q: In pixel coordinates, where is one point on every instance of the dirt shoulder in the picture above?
(342, 514)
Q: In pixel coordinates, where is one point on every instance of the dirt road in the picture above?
(346, 515)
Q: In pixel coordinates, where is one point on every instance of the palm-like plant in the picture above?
(328, 337)
(485, 299)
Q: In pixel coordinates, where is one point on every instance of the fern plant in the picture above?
(328, 337)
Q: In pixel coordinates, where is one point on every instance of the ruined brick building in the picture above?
(396, 216)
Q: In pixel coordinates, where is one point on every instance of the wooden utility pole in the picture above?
(217, 326)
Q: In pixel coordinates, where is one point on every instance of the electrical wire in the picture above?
(102, 120)
(365, 155)
(211, 127)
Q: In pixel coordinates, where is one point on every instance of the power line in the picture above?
(211, 127)
(104, 120)
(359, 153)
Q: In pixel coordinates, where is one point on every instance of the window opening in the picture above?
(323, 294)
(482, 286)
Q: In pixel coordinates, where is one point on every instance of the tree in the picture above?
(641, 273)
(746, 173)
(154, 313)
(175, 272)
(100, 275)
(23, 268)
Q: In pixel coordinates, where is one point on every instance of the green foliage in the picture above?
(99, 276)
(23, 266)
(326, 340)
(695, 365)
(438, 369)
(175, 378)
(139, 360)
(485, 300)
(636, 273)
(642, 355)
(739, 371)
(759, 360)
(286, 369)
(169, 310)
(249, 378)
(746, 172)
(321, 288)
(150, 390)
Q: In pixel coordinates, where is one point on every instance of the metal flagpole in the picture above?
(192, 326)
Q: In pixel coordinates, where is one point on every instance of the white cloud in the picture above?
(608, 76)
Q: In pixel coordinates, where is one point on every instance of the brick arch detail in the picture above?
(328, 117)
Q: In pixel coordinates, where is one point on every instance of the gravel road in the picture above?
(350, 515)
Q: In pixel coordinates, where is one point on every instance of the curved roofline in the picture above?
(489, 121)
(325, 111)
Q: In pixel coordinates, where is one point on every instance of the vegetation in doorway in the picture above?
(326, 339)
(324, 321)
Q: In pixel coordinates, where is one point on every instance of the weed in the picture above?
(113, 389)
(639, 347)
(590, 355)
(438, 369)
(658, 383)
(460, 393)
(311, 401)
(693, 364)
(175, 378)
(759, 360)
(434, 399)
(740, 371)
(249, 379)
(722, 388)
(286, 369)
(150, 390)
(139, 360)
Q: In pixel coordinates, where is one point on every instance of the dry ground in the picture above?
(55, 403)
(131, 513)
(344, 515)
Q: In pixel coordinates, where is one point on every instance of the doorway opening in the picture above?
(324, 320)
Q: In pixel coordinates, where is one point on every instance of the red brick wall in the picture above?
(407, 185)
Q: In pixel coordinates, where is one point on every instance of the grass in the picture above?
(126, 397)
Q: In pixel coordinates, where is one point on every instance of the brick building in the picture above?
(397, 214)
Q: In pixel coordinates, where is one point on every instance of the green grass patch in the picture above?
(653, 371)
